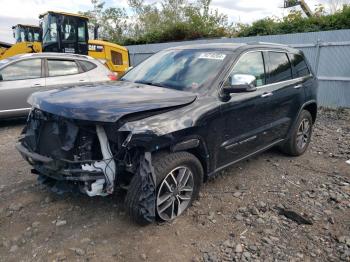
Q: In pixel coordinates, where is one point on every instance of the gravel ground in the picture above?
(235, 219)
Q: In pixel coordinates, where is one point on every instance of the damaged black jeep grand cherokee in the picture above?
(177, 118)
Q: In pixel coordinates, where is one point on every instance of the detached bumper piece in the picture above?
(62, 150)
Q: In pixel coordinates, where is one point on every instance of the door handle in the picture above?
(38, 85)
(267, 94)
(298, 86)
(82, 80)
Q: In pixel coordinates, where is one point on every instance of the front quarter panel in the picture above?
(200, 120)
(197, 114)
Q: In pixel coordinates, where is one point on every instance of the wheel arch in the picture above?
(312, 108)
(197, 147)
(171, 143)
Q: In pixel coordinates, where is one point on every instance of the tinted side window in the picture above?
(62, 67)
(116, 58)
(81, 31)
(251, 64)
(299, 64)
(87, 66)
(27, 69)
(279, 67)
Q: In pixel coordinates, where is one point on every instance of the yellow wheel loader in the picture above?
(68, 33)
(28, 40)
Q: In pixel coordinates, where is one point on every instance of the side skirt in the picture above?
(245, 157)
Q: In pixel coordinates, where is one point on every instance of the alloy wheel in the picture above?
(303, 134)
(175, 193)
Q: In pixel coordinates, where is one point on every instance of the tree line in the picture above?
(176, 20)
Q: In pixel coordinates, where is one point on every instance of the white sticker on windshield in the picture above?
(216, 56)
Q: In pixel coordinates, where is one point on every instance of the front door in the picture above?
(245, 114)
(19, 81)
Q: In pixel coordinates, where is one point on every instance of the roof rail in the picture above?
(265, 43)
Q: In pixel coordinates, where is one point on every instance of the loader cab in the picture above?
(26, 33)
(64, 33)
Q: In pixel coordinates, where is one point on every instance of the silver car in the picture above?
(21, 75)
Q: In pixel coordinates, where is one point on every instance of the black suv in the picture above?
(179, 117)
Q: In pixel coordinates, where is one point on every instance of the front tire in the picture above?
(179, 177)
(300, 137)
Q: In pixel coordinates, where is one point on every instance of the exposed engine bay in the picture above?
(93, 156)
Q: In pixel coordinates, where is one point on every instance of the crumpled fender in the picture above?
(173, 121)
(147, 201)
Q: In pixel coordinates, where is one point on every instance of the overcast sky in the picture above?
(27, 11)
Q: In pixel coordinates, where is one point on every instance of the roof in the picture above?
(5, 61)
(216, 46)
(105, 43)
(23, 25)
(52, 55)
(234, 46)
(64, 13)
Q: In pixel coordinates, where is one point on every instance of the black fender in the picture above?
(297, 116)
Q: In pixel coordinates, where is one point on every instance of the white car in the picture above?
(22, 75)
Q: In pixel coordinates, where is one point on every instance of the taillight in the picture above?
(113, 76)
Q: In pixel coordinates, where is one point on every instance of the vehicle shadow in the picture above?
(12, 122)
(113, 206)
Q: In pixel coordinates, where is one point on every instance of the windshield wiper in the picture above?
(151, 83)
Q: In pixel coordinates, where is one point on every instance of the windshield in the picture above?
(185, 70)
(68, 28)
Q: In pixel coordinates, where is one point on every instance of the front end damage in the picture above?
(92, 156)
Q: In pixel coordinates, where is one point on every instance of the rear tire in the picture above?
(176, 195)
(300, 137)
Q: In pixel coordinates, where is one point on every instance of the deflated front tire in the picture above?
(179, 177)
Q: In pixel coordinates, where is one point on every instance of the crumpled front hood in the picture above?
(107, 102)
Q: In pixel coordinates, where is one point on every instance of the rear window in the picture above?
(62, 67)
(87, 66)
(279, 67)
(299, 65)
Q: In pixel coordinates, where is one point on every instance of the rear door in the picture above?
(64, 71)
(95, 70)
(302, 73)
(19, 81)
(287, 95)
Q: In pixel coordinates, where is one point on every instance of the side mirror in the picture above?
(240, 83)
(1, 77)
